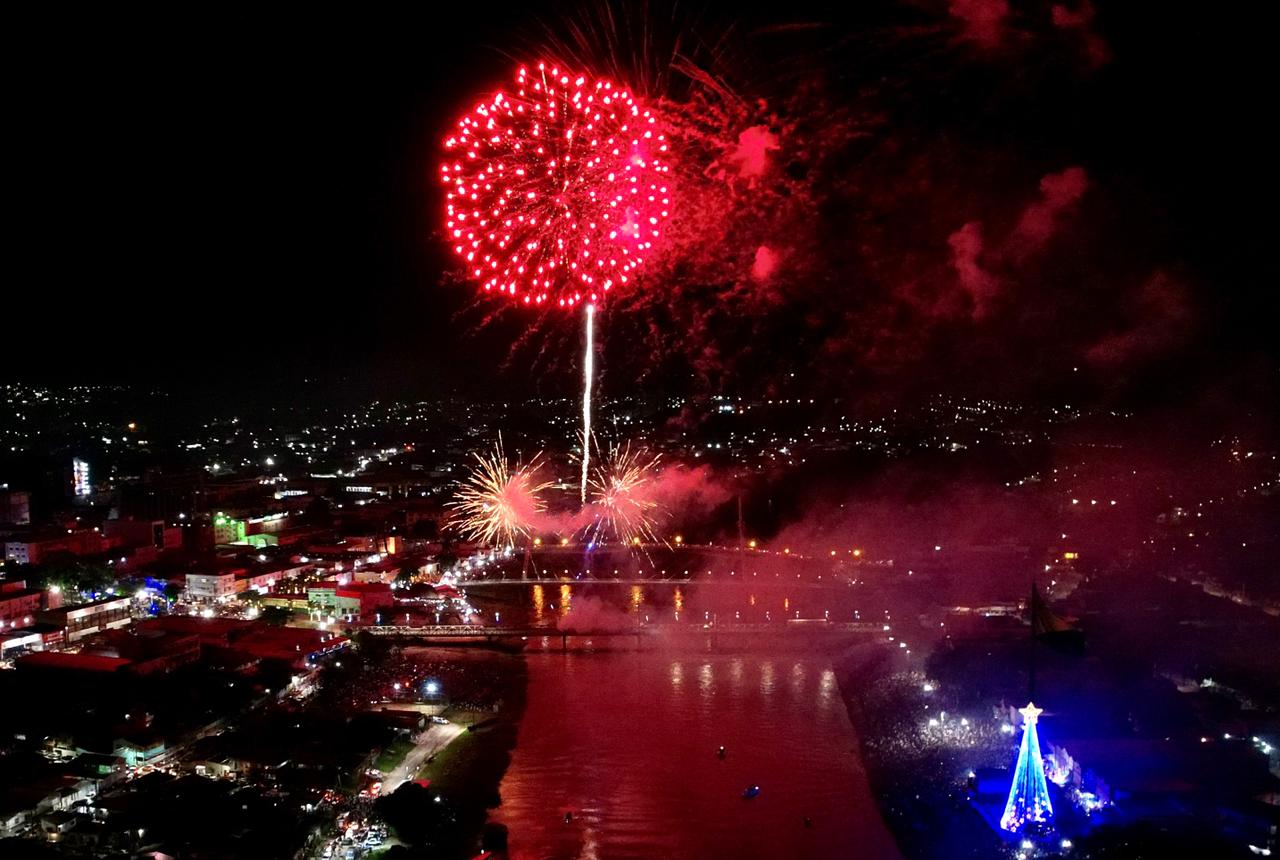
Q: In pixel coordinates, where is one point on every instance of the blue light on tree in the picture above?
(1029, 794)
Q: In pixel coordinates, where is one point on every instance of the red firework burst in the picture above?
(556, 193)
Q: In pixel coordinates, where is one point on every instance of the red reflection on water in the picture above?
(627, 742)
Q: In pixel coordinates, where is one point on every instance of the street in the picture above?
(435, 738)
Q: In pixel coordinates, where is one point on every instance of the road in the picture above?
(434, 739)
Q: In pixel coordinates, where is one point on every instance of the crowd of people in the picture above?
(455, 678)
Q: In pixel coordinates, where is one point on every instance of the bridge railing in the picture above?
(815, 626)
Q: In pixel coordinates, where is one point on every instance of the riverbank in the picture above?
(469, 770)
(917, 781)
(439, 791)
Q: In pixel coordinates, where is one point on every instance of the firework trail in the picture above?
(500, 502)
(555, 196)
(588, 372)
(621, 496)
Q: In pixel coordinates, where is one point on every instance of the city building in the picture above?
(353, 599)
(37, 546)
(18, 604)
(34, 637)
(134, 534)
(15, 507)
(149, 650)
(211, 586)
(296, 646)
(86, 619)
(263, 577)
(214, 632)
(71, 663)
(140, 750)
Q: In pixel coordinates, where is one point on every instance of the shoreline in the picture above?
(928, 816)
(468, 771)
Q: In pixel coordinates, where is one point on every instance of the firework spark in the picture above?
(621, 496)
(556, 193)
(500, 502)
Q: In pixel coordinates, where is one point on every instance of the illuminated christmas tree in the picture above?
(1029, 794)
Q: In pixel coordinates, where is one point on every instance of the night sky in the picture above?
(219, 201)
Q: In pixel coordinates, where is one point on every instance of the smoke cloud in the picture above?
(1157, 321)
(587, 613)
(966, 248)
(1080, 21)
(981, 21)
(1059, 192)
(752, 155)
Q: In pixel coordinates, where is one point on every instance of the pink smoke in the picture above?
(966, 248)
(1080, 20)
(752, 153)
(591, 614)
(1058, 193)
(688, 493)
(676, 493)
(766, 263)
(1159, 319)
(981, 21)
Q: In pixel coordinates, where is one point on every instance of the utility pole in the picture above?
(1031, 644)
(742, 529)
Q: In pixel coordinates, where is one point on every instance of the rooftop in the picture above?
(71, 662)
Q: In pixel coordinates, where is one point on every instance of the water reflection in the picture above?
(766, 677)
(622, 742)
(706, 679)
(827, 685)
(695, 604)
(539, 601)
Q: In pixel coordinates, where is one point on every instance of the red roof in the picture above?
(208, 629)
(362, 589)
(289, 643)
(76, 662)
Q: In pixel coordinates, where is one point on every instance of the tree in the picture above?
(318, 513)
(417, 817)
(277, 616)
(448, 555)
(74, 576)
(406, 574)
(425, 529)
(370, 646)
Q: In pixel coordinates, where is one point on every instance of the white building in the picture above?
(210, 586)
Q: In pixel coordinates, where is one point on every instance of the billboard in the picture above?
(80, 487)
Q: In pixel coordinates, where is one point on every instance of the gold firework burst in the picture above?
(621, 496)
(500, 501)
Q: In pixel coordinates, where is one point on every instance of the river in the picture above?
(627, 742)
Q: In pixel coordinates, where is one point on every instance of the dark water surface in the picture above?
(626, 740)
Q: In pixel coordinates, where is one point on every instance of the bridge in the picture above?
(831, 582)
(712, 632)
